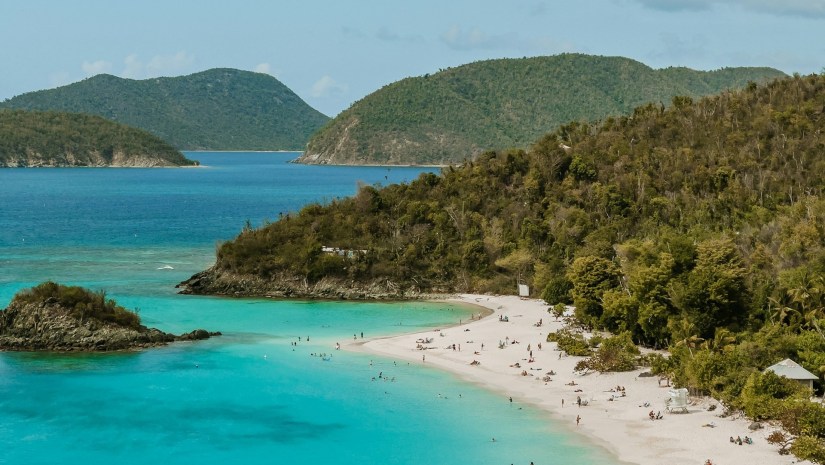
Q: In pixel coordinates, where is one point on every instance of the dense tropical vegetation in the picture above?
(698, 227)
(84, 304)
(455, 114)
(30, 138)
(217, 109)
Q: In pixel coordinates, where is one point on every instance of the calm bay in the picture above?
(250, 396)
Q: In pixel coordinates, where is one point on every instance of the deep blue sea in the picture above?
(250, 396)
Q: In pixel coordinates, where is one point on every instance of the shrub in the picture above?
(570, 342)
(82, 303)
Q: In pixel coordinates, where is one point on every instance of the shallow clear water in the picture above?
(249, 396)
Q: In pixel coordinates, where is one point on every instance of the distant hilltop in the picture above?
(457, 113)
(217, 109)
(53, 139)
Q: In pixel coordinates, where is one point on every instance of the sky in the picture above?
(334, 52)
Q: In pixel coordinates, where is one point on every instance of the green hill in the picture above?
(29, 138)
(455, 114)
(218, 109)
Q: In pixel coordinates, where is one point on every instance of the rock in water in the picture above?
(52, 317)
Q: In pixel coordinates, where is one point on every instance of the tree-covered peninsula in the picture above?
(52, 139)
(696, 227)
(455, 114)
(217, 109)
(58, 318)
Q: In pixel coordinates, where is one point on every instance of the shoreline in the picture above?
(619, 424)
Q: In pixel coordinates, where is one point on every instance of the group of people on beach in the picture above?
(740, 441)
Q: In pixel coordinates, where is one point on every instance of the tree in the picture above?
(715, 292)
(763, 394)
(591, 278)
(616, 353)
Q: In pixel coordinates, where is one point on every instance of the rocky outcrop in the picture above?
(218, 282)
(48, 326)
(96, 159)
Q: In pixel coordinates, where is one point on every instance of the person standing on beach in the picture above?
(578, 419)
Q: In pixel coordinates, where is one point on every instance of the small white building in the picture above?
(523, 290)
(792, 370)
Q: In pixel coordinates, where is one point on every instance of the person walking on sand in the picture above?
(578, 419)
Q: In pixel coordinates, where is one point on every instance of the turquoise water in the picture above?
(247, 397)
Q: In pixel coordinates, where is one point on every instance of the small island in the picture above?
(53, 139)
(57, 318)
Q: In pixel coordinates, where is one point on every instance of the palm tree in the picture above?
(723, 341)
(808, 296)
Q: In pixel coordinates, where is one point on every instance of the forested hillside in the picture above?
(455, 114)
(30, 138)
(699, 227)
(218, 109)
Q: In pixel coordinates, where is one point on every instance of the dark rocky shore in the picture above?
(216, 282)
(48, 326)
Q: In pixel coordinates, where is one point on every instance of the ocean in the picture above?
(249, 396)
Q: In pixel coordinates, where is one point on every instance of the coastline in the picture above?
(620, 425)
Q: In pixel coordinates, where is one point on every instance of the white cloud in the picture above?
(265, 68)
(327, 86)
(60, 78)
(133, 67)
(92, 68)
(158, 65)
(169, 64)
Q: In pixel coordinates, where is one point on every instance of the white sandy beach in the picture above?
(621, 425)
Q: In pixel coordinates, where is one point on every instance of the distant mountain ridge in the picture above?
(457, 113)
(217, 109)
(55, 139)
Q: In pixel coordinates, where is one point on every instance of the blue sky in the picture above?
(334, 52)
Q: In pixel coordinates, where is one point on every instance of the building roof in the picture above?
(791, 370)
